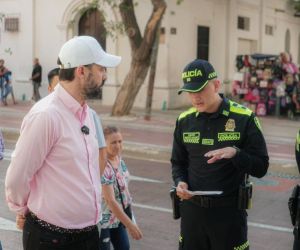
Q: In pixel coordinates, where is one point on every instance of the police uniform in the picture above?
(297, 154)
(215, 222)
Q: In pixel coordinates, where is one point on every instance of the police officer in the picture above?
(217, 143)
(297, 154)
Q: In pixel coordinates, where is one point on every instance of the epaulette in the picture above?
(239, 109)
(187, 112)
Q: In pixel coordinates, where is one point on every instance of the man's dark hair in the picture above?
(66, 74)
(52, 73)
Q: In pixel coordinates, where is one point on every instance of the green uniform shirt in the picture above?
(197, 133)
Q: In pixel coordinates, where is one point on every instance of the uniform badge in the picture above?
(230, 125)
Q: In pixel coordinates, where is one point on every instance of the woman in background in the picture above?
(116, 216)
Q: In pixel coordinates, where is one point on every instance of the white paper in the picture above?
(204, 192)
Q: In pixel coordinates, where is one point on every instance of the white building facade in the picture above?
(216, 30)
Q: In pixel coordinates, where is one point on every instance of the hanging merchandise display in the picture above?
(266, 83)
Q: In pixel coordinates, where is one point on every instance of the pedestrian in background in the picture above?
(57, 155)
(8, 88)
(53, 79)
(36, 78)
(217, 144)
(116, 203)
(3, 71)
(1, 146)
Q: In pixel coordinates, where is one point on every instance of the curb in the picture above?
(143, 150)
(146, 150)
(10, 134)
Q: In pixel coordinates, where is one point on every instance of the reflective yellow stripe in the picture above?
(180, 238)
(239, 109)
(186, 113)
(298, 141)
(243, 246)
(257, 123)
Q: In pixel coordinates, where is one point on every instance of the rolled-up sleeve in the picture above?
(34, 144)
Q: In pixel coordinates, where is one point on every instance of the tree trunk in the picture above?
(141, 48)
(130, 88)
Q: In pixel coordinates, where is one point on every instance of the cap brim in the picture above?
(192, 87)
(109, 61)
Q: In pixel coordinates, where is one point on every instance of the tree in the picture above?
(141, 48)
(296, 5)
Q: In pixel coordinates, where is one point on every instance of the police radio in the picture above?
(245, 194)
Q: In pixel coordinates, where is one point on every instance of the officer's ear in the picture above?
(217, 85)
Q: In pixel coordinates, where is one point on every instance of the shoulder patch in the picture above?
(186, 113)
(239, 109)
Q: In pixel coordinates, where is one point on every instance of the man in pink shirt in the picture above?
(53, 178)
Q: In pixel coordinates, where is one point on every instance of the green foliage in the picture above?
(1, 17)
(114, 28)
(295, 4)
(8, 51)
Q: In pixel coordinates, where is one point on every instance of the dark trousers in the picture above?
(36, 93)
(117, 236)
(296, 241)
(36, 237)
(219, 228)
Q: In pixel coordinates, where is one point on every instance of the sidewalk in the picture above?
(153, 138)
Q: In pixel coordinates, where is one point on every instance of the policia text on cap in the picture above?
(217, 144)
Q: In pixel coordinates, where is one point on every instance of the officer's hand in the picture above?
(181, 191)
(223, 153)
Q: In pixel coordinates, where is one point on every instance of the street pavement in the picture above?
(147, 147)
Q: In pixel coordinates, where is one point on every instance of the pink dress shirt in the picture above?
(54, 170)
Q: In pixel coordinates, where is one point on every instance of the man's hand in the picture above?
(20, 221)
(181, 191)
(223, 153)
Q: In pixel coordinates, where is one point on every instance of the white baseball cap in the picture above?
(85, 50)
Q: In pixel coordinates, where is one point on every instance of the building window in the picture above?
(203, 43)
(11, 24)
(243, 23)
(269, 30)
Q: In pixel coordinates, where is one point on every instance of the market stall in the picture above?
(265, 83)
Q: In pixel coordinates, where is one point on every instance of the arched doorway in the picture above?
(92, 23)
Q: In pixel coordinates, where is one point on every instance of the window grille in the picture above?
(11, 24)
(243, 23)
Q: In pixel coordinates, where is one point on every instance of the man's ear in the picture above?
(79, 71)
(217, 85)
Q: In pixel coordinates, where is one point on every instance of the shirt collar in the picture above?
(222, 110)
(72, 104)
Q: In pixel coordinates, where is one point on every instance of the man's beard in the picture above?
(92, 88)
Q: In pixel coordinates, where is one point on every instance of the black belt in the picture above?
(31, 216)
(209, 202)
